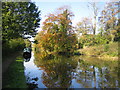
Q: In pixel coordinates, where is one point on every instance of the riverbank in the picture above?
(106, 52)
(6, 61)
(13, 73)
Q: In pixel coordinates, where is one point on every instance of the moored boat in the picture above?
(27, 53)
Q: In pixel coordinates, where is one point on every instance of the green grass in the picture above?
(14, 77)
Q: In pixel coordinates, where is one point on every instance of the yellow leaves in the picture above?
(113, 32)
(49, 24)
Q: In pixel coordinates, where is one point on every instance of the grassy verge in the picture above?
(14, 76)
(106, 51)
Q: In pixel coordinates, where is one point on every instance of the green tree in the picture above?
(19, 19)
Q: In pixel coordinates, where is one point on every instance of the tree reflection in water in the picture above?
(58, 71)
(97, 73)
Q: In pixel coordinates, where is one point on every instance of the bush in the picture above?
(27, 43)
(12, 46)
(16, 44)
(77, 53)
(101, 39)
(91, 40)
(106, 47)
(88, 40)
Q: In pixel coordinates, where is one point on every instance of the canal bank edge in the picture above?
(14, 77)
(105, 52)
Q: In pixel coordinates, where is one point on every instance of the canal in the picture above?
(71, 72)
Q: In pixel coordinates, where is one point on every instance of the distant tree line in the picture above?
(108, 25)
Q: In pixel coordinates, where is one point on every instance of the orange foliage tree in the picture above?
(57, 34)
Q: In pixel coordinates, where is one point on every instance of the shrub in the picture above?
(27, 43)
(91, 40)
(16, 44)
(106, 47)
(12, 46)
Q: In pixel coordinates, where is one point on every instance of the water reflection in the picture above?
(58, 71)
(27, 60)
(97, 73)
(33, 74)
(72, 72)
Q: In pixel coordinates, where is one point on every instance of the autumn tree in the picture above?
(58, 35)
(109, 20)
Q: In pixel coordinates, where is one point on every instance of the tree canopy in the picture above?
(57, 34)
(19, 19)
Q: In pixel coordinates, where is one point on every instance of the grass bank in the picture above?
(14, 76)
(106, 51)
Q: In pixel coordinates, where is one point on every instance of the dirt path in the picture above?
(8, 60)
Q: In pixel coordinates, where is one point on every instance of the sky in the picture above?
(79, 9)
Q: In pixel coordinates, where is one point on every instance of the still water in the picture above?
(71, 72)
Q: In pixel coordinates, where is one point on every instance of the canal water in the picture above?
(71, 72)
